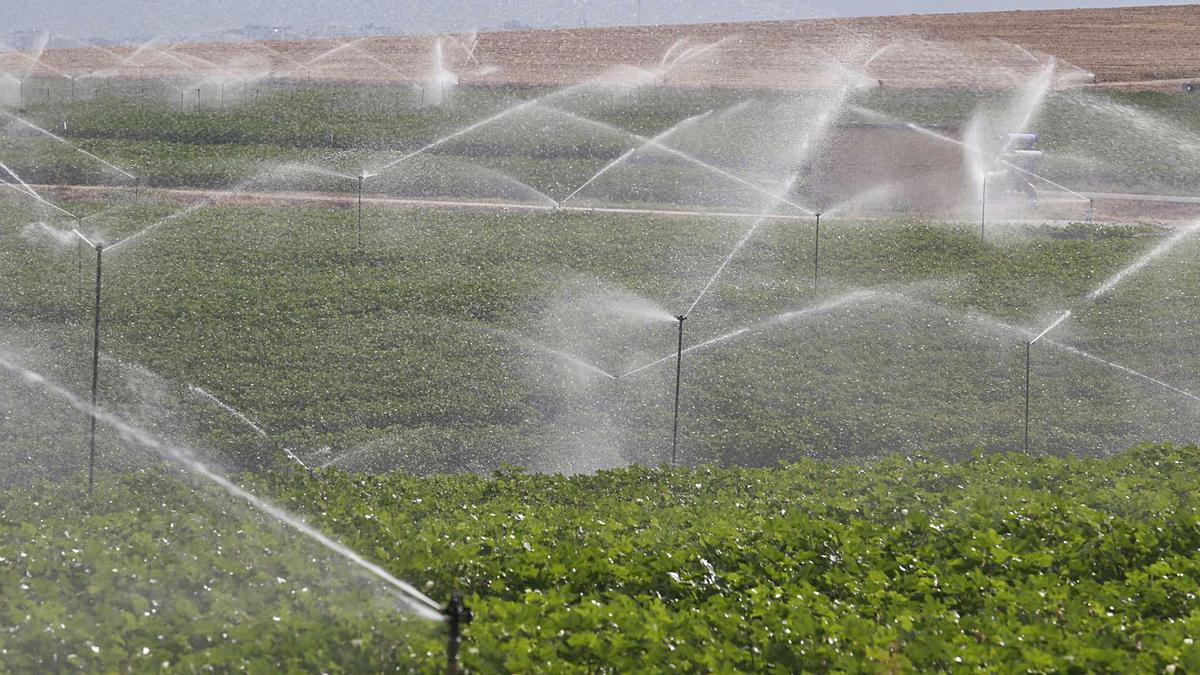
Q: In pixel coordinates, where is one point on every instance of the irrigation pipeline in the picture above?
(240, 195)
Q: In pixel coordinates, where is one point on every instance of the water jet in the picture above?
(1028, 358)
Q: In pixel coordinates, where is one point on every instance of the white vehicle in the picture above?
(1020, 157)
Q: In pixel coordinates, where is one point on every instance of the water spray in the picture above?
(678, 369)
(1028, 359)
(421, 604)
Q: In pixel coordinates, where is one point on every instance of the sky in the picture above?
(150, 18)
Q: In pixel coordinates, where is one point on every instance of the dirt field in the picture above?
(1151, 47)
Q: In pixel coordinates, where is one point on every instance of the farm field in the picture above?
(999, 562)
(1139, 47)
(887, 364)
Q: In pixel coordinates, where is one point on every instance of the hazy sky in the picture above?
(118, 18)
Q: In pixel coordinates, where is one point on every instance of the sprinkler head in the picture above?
(681, 318)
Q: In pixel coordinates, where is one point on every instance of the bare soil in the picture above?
(1151, 47)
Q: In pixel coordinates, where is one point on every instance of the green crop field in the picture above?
(1001, 562)
(482, 395)
(433, 346)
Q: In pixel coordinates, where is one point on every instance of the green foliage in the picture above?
(1001, 562)
(412, 352)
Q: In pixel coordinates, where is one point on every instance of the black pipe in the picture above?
(95, 372)
(457, 615)
(678, 366)
(817, 251)
(1028, 346)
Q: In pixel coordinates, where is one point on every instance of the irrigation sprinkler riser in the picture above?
(95, 371)
(361, 180)
(678, 370)
(1028, 350)
(457, 615)
(817, 251)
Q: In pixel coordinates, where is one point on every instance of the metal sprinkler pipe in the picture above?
(678, 368)
(1028, 349)
(95, 372)
(361, 179)
(457, 615)
(79, 260)
(1091, 212)
(817, 250)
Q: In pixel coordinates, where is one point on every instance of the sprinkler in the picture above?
(457, 615)
(1090, 216)
(678, 367)
(362, 178)
(95, 372)
(817, 250)
(1028, 350)
(79, 259)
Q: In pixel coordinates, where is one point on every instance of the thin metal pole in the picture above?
(361, 180)
(678, 367)
(1028, 348)
(79, 265)
(95, 373)
(817, 251)
(983, 211)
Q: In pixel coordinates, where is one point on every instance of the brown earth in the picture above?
(1155, 47)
